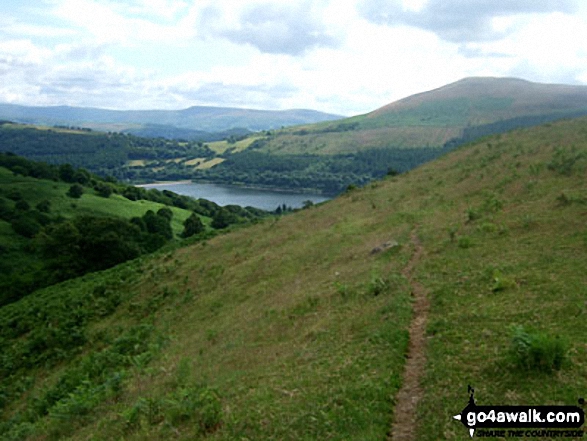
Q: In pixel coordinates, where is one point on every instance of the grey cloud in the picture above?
(458, 20)
(280, 29)
(81, 52)
(476, 52)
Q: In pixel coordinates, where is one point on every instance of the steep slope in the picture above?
(332, 155)
(435, 117)
(57, 223)
(297, 328)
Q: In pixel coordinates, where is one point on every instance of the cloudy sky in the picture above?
(339, 56)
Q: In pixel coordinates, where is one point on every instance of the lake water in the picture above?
(245, 197)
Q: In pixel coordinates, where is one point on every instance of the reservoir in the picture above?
(243, 196)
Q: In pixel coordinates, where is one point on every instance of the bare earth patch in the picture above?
(410, 394)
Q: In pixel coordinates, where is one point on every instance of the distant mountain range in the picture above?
(192, 123)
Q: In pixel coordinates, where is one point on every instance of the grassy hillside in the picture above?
(327, 156)
(297, 328)
(31, 206)
(36, 190)
(57, 223)
(435, 117)
(399, 136)
(107, 154)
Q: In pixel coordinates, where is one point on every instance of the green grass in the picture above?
(35, 191)
(297, 331)
(432, 118)
(219, 147)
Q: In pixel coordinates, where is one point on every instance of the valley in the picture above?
(297, 327)
(327, 156)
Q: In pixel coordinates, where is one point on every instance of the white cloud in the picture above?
(340, 56)
(110, 22)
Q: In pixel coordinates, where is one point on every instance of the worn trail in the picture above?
(410, 394)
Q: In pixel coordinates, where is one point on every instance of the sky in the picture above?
(346, 57)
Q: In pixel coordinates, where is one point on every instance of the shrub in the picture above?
(103, 189)
(44, 206)
(194, 403)
(378, 285)
(501, 283)
(22, 205)
(488, 227)
(464, 242)
(452, 233)
(472, 214)
(537, 351)
(567, 161)
(492, 204)
(26, 226)
(75, 191)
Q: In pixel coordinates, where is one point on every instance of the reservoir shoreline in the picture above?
(264, 198)
(245, 186)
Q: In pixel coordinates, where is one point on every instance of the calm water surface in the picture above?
(245, 197)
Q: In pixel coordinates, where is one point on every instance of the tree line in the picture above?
(102, 153)
(53, 247)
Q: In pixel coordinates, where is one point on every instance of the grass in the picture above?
(301, 333)
(524, 272)
(219, 147)
(429, 119)
(209, 164)
(35, 191)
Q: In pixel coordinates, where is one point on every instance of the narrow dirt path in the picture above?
(410, 394)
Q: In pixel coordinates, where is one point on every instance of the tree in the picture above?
(106, 242)
(192, 225)
(166, 213)
(75, 191)
(59, 244)
(223, 218)
(66, 173)
(22, 205)
(26, 226)
(103, 189)
(44, 206)
(157, 224)
(81, 176)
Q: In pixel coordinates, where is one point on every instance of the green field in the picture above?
(219, 147)
(297, 327)
(89, 204)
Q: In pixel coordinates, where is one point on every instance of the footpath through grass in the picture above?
(295, 329)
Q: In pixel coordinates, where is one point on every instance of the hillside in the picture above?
(332, 155)
(183, 123)
(488, 105)
(297, 328)
(325, 157)
(107, 154)
(49, 233)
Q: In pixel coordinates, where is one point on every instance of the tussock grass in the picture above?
(301, 333)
